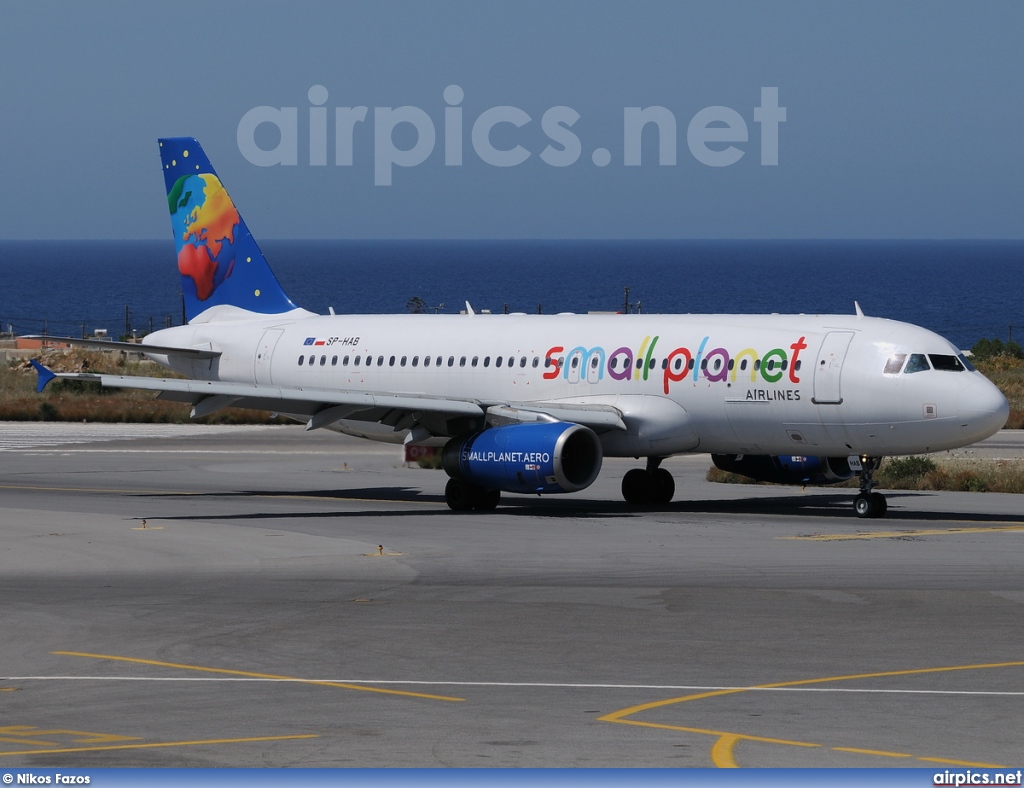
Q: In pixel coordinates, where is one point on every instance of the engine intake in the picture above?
(553, 457)
(786, 469)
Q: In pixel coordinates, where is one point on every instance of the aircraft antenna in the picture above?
(857, 309)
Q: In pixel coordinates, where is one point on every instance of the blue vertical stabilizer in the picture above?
(218, 259)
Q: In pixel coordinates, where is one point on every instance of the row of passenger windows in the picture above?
(356, 361)
(617, 362)
(919, 362)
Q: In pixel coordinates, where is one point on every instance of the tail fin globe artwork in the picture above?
(218, 259)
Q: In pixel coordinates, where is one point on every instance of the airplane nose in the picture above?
(982, 408)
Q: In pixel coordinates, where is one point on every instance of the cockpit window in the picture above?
(895, 364)
(967, 364)
(918, 363)
(946, 363)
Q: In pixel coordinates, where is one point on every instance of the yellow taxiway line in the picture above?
(722, 751)
(987, 529)
(250, 674)
(162, 744)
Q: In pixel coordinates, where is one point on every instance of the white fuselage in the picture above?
(723, 384)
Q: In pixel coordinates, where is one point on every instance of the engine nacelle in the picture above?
(528, 458)
(786, 469)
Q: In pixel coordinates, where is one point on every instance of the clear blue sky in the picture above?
(903, 120)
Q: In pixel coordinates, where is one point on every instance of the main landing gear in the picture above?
(869, 503)
(462, 496)
(651, 485)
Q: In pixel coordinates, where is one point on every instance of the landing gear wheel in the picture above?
(487, 500)
(459, 496)
(870, 505)
(663, 487)
(637, 487)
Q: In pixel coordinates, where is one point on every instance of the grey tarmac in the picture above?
(262, 596)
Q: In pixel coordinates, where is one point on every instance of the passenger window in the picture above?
(522, 361)
(498, 360)
(355, 360)
(690, 364)
(437, 361)
(391, 362)
(344, 361)
(462, 361)
(678, 364)
(426, 361)
(312, 360)
(918, 363)
(415, 361)
(380, 361)
(323, 361)
(511, 361)
(945, 363)
(475, 361)
(593, 362)
(743, 364)
(640, 363)
(732, 363)
(797, 365)
(487, 361)
(451, 361)
(664, 363)
(334, 361)
(894, 364)
(403, 360)
(301, 360)
(575, 362)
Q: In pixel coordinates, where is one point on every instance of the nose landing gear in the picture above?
(651, 485)
(868, 503)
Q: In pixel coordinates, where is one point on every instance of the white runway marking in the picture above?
(521, 685)
(21, 436)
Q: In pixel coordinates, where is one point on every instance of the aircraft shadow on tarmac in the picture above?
(836, 506)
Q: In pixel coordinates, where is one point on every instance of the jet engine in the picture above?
(786, 469)
(553, 457)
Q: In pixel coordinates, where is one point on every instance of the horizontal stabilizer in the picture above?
(45, 376)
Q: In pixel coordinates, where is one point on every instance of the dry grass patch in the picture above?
(74, 400)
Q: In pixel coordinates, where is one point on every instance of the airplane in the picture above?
(533, 403)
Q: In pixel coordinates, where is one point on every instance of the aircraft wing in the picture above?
(435, 416)
(133, 347)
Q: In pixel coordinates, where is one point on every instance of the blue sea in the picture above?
(964, 290)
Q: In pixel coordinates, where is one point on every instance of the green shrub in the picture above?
(908, 473)
(432, 461)
(987, 348)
